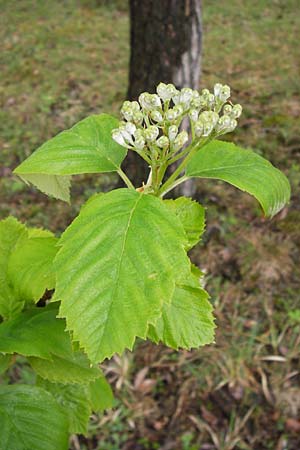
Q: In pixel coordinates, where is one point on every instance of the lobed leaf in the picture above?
(188, 321)
(74, 368)
(243, 169)
(101, 395)
(118, 264)
(30, 418)
(192, 216)
(26, 265)
(87, 147)
(74, 399)
(11, 231)
(35, 332)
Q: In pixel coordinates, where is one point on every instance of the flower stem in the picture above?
(125, 178)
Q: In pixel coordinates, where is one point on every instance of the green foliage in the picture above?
(74, 400)
(35, 332)
(126, 278)
(26, 259)
(192, 216)
(30, 418)
(244, 169)
(188, 321)
(120, 270)
(85, 148)
(101, 396)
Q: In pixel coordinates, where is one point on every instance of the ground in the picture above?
(64, 60)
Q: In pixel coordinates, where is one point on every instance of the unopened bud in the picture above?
(137, 117)
(166, 91)
(194, 115)
(181, 140)
(149, 101)
(223, 124)
(129, 109)
(118, 137)
(130, 127)
(227, 109)
(209, 119)
(236, 111)
(173, 131)
(233, 125)
(156, 116)
(186, 96)
(162, 142)
(223, 93)
(199, 128)
(151, 133)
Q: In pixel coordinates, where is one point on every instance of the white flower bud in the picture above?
(171, 115)
(137, 117)
(207, 129)
(217, 89)
(151, 133)
(149, 101)
(224, 93)
(166, 91)
(227, 109)
(209, 117)
(130, 127)
(196, 100)
(173, 131)
(223, 124)
(156, 116)
(233, 125)
(210, 100)
(194, 115)
(174, 113)
(205, 93)
(179, 110)
(129, 108)
(181, 140)
(199, 128)
(236, 111)
(209, 120)
(118, 137)
(186, 96)
(139, 143)
(163, 142)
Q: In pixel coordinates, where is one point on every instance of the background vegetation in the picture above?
(64, 60)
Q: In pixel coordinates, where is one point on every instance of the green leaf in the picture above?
(101, 395)
(35, 332)
(30, 418)
(74, 400)
(87, 147)
(11, 232)
(245, 170)
(192, 216)
(74, 369)
(26, 265)
(118, 263)
(39, 335)
(188, 321)
(30, 267)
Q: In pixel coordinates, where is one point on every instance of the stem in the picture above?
(182, 165)
(125, 178)
(176, 183)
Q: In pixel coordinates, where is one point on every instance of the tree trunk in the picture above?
(165, 41)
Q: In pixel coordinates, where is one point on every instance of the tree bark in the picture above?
(165, 40)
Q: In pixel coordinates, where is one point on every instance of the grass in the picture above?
(65, 60)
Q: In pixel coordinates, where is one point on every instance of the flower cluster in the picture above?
(152, 125)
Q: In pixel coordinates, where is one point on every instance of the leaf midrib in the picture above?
(119, 266)
(231, 167)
